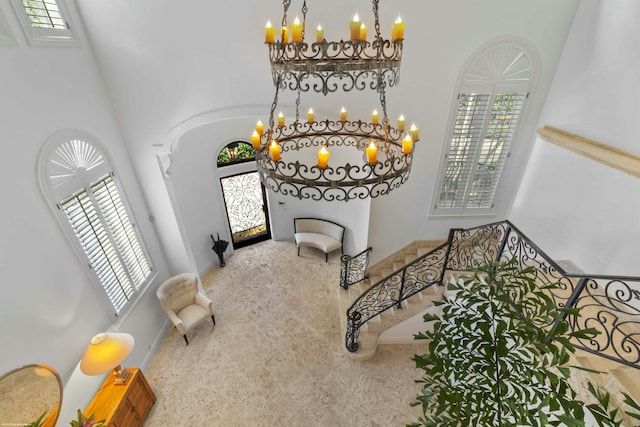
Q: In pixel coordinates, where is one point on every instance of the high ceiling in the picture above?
(165, 61)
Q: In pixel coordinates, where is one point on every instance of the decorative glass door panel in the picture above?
(244, 199)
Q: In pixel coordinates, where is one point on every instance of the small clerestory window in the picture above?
(45, 22)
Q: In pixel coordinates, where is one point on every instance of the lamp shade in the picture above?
(105, 352)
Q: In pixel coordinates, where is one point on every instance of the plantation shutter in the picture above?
(482, 132)
(102, 225)
(44, 14)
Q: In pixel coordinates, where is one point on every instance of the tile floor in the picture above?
(275, 357)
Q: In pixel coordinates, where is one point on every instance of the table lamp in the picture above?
(106, 351)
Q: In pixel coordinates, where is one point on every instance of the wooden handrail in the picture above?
(605, 154)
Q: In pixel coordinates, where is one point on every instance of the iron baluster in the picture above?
(401, 293)
(344, 271)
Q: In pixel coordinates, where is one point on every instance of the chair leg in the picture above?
(326, 257)
(214, 320)
(185, 339)
(298, 250)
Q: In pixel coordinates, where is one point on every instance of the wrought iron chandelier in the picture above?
(373, 156)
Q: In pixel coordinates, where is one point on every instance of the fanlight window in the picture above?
(236, 152)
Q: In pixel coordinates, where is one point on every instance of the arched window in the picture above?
(490, 97)
(236, 152)
(76, 177)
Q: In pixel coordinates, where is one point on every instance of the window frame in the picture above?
(469, 82)
(6, 35)
(83, 182)
(47, 37)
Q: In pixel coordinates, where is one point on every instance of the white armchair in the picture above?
(183, 302)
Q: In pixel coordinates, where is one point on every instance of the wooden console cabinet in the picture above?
(122, 405)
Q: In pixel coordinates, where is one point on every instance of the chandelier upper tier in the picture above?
(369, 158)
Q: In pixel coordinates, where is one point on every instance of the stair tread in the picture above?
(628, 378)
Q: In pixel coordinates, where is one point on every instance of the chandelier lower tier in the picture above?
(368, 158)
(364, 171)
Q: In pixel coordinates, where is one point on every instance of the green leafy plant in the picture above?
(38, 422)
(82, 421)
(498, 355)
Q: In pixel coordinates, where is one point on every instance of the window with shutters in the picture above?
(489, 103)
(45, 22)
(79, 181)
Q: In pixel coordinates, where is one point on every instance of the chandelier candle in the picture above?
(284, 35)
(319, 34)
(374, 117)
(280, 119)
(269, 33)
(407, 144)
(323, 157)
(260, 128)
(343, 115)
(255, 140)
(397, 31)
(401, 123)
(274, 150)
(414, 132)
(296, 31)
(372, 152)
(363, 32)
(310, 115)
(354, 28)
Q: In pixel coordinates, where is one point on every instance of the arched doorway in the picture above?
(244, 197)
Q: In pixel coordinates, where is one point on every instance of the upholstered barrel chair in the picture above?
(184, 303)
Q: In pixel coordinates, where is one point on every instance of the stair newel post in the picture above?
(353, 330)
(452, 232)
(344, 272)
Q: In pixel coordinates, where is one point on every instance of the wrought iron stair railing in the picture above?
(353, 268)
(610, 304)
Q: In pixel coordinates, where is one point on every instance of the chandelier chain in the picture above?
(273, 108)
(298, 106)
(377, 21)
(304, 17)
(286, 4)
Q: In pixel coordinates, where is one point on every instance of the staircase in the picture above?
(409, 281)
(614, 378)
(368, 339)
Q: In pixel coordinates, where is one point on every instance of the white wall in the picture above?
(50, 309)
(572, 207)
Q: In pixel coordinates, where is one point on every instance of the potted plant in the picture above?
(498, 356)
(82, 421)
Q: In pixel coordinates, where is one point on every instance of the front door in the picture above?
(244, 199)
